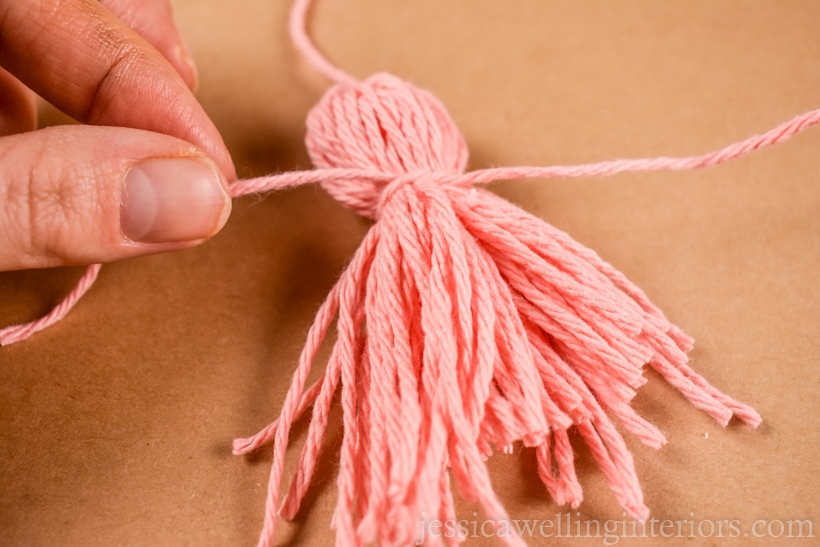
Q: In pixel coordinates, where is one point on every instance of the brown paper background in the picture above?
(115, 425)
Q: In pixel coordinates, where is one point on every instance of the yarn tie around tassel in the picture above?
(385, 125)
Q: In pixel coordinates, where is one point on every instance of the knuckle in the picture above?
(48, 208)
(122, 71)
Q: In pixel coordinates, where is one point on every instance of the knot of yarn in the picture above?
(389, 126)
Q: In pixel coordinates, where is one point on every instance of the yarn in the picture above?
(464, 324)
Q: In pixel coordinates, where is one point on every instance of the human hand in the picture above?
(150, 171)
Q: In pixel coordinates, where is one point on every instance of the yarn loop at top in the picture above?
(387, 125)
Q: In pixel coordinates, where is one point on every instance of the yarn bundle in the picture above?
(464, 325)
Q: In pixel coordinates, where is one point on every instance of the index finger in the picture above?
(84, 60)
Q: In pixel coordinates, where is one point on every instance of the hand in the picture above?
(150, 171)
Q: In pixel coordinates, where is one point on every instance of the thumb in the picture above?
(82, 194)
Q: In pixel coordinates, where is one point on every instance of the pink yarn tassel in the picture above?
(465, 325)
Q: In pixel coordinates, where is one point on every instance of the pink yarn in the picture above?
(464, 324)
(18, 333)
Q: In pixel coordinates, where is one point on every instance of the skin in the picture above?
(121, 68)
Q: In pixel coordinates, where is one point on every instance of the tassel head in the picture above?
(387, 125)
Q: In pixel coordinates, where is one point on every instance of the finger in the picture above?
(84, 194)
(18, 109)
(153, 20)
(77, 55)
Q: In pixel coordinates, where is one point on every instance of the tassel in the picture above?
(464, 325)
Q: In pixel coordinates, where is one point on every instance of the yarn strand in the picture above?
(372, 180)
(297, 26)
(377, 178)
(18, 333)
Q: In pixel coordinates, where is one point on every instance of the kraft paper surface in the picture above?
(116, 423)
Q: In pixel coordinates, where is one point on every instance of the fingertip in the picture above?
(100, 71)
(167, 200)
(210, 141)
(82, 194)
(183, 61)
